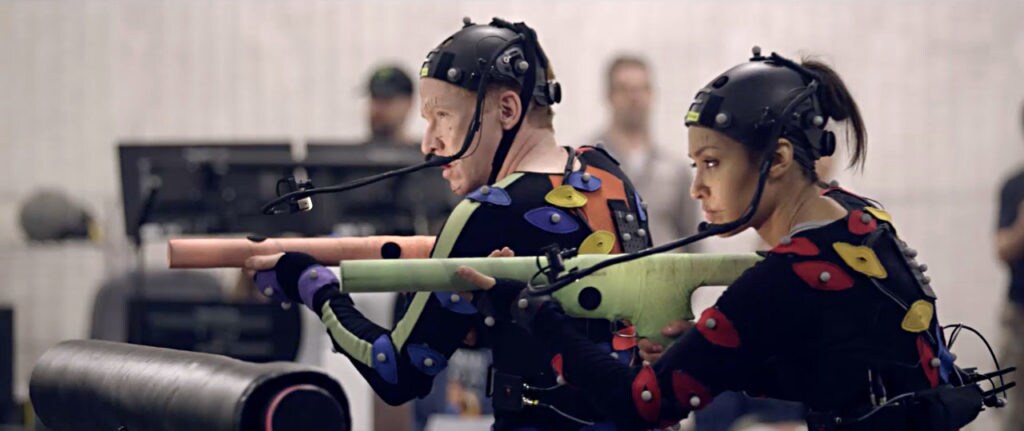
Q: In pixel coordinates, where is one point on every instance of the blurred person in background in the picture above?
(391, 101)
(656, 174)
(1010, 247)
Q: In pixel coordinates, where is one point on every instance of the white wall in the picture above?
(938, 82)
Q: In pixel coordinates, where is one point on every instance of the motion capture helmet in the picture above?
(480, 55)
(764, 99)
(466, 56)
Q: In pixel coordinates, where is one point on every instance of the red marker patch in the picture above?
(861, 223)
(646, 394)
(718, 329)
(823, 275)
(798, 246)
(690, 393)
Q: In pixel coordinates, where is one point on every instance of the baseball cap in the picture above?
(390, 81)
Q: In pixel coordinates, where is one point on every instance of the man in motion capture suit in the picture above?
(486, 94)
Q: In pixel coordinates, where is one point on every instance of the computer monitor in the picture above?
(209, 188)
(416, 203)
(205, 188)
(250, 332)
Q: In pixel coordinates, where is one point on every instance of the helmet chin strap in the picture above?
(525, 97)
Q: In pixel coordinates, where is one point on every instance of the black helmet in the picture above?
(501, 51)
(763, 99)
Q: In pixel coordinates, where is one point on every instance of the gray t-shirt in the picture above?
(663, 180)
(1010, 197)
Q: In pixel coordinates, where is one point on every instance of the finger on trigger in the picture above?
(469, 274)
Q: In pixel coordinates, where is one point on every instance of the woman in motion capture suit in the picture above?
(838, 316)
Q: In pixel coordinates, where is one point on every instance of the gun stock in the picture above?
(648, 292)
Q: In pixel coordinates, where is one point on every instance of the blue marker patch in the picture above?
(576, 179)
(551, 219)
(454, 302)
(640, 207)
(425, 359)
(384, 359)
(492, 195)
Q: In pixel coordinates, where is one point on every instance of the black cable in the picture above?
(879, 408)
(531, 402)
(991, 352)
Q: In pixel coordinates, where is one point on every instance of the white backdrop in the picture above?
(938, 81)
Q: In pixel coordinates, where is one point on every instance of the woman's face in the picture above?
(724, 178)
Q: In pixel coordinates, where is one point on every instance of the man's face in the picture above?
(388, 114)
(630, 95)
(448, 110)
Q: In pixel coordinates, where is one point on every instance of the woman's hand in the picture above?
(651, 351)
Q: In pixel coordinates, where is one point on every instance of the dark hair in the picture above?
(838, 104)
(619, 62)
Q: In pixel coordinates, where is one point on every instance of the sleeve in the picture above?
(751, 322)
(400, 364)
(1008, 201)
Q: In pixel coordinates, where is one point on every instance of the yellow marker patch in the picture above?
(566, 197)
(599, 242)
(879, 214)
(693, 116)
(424, 71)
(918, 316)
(862, 259)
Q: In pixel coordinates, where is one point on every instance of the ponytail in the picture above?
(838, 104)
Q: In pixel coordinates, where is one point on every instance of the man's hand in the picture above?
(509, 295)
(651, 351)
(289, 277)
(478, 279)
(482, 281)
(260, 263)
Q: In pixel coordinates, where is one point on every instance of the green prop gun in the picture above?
(649, 292)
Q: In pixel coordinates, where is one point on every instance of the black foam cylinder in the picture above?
(86, 385)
